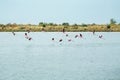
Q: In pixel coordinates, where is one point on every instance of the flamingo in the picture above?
(27, 37)
(93, 32)
(60, 40)
(76, 36)
(30, 39)
(81, 35)
(25, 34)
(100, 36)
(13, 33)
(69, 40)
(63, 30)
(66, 35)
(52, 39)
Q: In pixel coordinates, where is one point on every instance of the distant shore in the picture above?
(58, 28)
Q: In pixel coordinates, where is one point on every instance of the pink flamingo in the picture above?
(69, 40)
(13, 33)
(76, 36)
(27, 37)
(25, 34)
(66, 35)
(30, 39)
(93, 32)
(52, 39)
(81, 35)
(60, 40)
(100, 36)
(63, 30)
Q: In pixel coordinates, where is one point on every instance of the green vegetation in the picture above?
(112, 21)
(52, 27)
(65, 24)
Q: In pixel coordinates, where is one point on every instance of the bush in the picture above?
(108, 26)
(84, 25)
(65, 24)
(44, 25)
(41, 23)
(75, 24)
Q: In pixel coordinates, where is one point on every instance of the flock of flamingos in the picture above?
(60, 40)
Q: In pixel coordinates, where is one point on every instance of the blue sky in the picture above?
(59, 11)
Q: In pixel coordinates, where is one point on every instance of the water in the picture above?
(87, 58)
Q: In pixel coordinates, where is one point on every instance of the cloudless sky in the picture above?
(59, 11)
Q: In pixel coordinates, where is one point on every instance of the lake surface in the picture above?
(86, 58)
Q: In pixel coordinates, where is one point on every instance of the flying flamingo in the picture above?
(30, 39)
(25, 34)
(27, 37)
(60, 40)
(76, 36)
(81, 35)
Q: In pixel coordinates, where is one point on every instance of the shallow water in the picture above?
(87, 58)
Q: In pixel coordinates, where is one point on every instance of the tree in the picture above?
(75, 24)
(84, 25)
(51, 24)
(112, 21)
(65, 24)
(41, 23)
